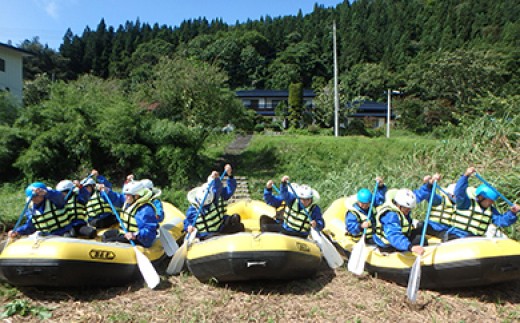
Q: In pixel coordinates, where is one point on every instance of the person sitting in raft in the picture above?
(357, 218)
(45, 212)
(213, 219)
(296, 220)
(473, 213)
(267, 223)
(147, 183)
(99, 212)
(394, 229)
(137, 214)
(75, 209)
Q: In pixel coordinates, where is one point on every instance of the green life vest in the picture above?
(51, 219)
(296, 218)
(128, 214)
(211, 218)
(75, 210)
(474, 220)
(96, 205)
(350, 203)
(406, 226)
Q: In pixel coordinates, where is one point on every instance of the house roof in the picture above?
(271, 93)
(23, 52)
(370, 109)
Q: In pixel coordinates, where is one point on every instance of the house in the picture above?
(11, 69)
(264, 102)
(374, 114)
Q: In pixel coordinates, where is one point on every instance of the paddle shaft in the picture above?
(494, 189)
(369, 216)
(427, 219)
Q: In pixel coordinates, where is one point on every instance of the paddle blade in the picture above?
(177, 262)
(168, 242)
(414, 281)
(356, 262)
(331, 255)
(149, 273)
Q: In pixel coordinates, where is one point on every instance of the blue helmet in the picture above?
(364, 196)
(486, 192)
(31, 187)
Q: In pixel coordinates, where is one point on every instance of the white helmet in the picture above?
(65, 185)
(133, 188)
(88, 181)
(147, 183)
(406, 198)
(201, 192)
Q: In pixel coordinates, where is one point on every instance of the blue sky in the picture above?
(49, 19)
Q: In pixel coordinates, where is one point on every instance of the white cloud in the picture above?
(51, 7)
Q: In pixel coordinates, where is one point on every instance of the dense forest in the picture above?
(453, 62)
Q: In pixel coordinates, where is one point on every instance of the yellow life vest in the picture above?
(296, 218)
(474, 220)
(443, 213)
(389, 206)
(350, 204)
(51, 219)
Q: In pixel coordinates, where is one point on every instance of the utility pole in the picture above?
(336, 95)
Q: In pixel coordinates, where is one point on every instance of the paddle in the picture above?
(149, 273)
(168, 242)
(330, 253)
(494, 189)
(415, 274)
(447, 194)
(18, 221)
(356, 262)
(177, 262)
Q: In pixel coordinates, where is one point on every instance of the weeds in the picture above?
(22, 307)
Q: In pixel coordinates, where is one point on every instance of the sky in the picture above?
(49, 19)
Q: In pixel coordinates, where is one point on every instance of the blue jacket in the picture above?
(351, 220)
(144, 217)
(270, 199)
(218, 191)
(463, 202)
(54, 197)
(392, 225)
(290, 198)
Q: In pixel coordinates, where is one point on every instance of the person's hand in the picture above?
(470, 171)
(76, 183)
(436, 177)
(380, 181)
(39, 192)
(285, 179)
(190, 228)
(12, 234)
(228, 169)
(130, 236)
(101, 187)
(313, 223)
(269, 184)
(130, 178)
(94, 173)
(365, 224)
(418, 250)
(515, 208)
(427, 179)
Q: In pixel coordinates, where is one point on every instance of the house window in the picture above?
(254, 104)
(2, 65)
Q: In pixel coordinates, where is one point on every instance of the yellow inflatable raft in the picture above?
(252, 254)
(474, 261)
(56, 261)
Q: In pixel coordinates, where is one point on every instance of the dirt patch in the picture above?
(331, 296)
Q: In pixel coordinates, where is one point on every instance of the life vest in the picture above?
(211, 217)
(474, 220)
(296, 218)
(97, 205)
(75, 210)
(406, 225)
(51, 219)
(128, 214)
(443, 213)
(350, 203)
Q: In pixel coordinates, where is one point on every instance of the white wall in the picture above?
(12, 77)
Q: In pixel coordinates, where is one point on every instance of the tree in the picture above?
(295, 104)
